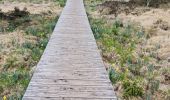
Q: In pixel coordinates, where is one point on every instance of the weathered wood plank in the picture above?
(66, 98)
(78, 88)
(36, 93)
(70, 82)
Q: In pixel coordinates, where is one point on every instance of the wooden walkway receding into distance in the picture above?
(71, 67)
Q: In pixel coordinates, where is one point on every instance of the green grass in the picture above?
(34, 51)
(61, 2)
(15, 81)
(118, 42)
(122, 42)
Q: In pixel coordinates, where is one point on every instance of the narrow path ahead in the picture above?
(71, 67)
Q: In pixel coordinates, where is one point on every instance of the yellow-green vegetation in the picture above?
(132, 69)
(23, 38)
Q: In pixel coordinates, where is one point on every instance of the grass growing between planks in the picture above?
(23, 38)
(132, 68)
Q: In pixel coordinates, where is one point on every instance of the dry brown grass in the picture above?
(17, 56)
(155, 23)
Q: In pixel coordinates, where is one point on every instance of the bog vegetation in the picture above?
(137, 72)
(23, 38)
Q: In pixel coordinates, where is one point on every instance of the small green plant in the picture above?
(32, 30)
(1, 46)
(11, 62)
(36, 54)
(43, 43)
(62, 2)
(152, 85)
(28, 45)
(49, 25)
(97, 27)
(16, 97)
(11, 27)
(132, 89)
(115, 76)
(1, 89)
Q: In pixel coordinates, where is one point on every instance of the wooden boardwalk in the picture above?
(71, 67)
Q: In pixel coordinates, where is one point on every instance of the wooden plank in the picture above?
(66, 98)
(62, 87)
(70, 82)
(72, 94)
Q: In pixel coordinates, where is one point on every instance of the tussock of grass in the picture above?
(61, 2)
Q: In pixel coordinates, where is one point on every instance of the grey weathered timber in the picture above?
(71, 67)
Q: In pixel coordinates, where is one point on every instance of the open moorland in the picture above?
(134, 39)
(25, 28)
